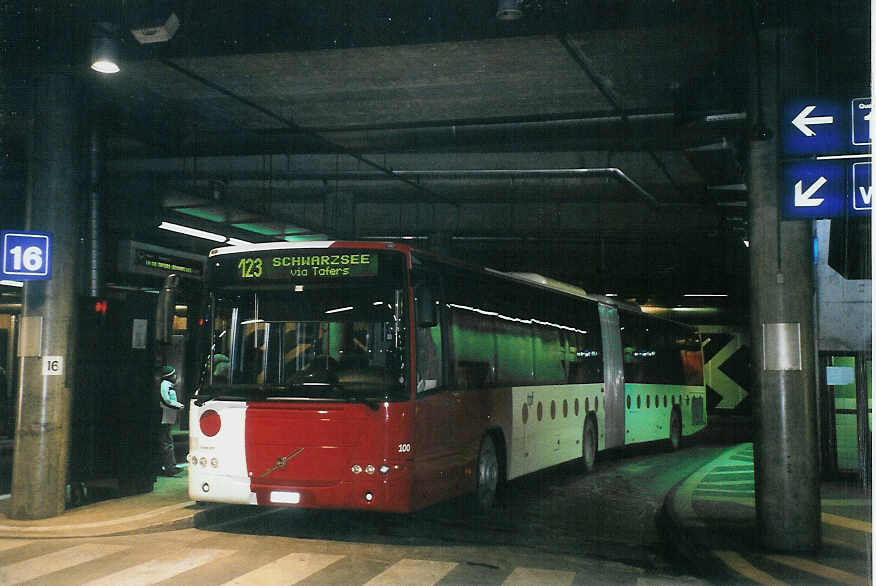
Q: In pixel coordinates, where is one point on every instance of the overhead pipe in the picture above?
(602, 85)
(334, 147)
(413, 175)
(577, 132)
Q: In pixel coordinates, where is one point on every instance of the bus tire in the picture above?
(589, 444)
(487, 475)
(674, 430)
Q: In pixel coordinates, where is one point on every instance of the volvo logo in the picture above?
(281, 462)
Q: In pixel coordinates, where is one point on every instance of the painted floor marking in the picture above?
(847, 502)
(407, 571)
(742, 566)
(528, 576)
(846, 544)
(826, 572)
(828, 518)
(59, 560)
(847, 523)
(289, 569)
(726, 482)
(162, 568)
(684, 495)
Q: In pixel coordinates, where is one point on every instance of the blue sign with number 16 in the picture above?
(26, 255)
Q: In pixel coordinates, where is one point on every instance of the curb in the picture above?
(678, 533)
(185, 515)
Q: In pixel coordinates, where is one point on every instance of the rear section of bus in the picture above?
(305, 396)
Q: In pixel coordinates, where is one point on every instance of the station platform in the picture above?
(709, 519)
(166, 508)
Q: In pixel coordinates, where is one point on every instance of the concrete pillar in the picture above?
(787, 478)
(48, 320)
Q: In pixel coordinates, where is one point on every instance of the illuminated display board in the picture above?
(299, 266)
(147, 259)
(167, 263)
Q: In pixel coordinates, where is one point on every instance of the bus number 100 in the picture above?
(250, 267)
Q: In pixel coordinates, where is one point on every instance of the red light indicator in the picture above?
(210, 423)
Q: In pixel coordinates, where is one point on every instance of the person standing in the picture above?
(169, 409)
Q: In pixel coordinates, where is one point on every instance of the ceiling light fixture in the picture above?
(509, 10)
(104, 49)
(192, 232)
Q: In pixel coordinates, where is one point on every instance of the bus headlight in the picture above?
(357, 469)
(369, 469)
(384, 469)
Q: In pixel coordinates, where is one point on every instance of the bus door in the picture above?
(436, 410)
(613, 368)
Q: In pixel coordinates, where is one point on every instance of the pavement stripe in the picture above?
(826, 572)
(412, 572)
(713, 483)
(13, 543)
(742, 566)
(847, 544)
(528, 576)
(162, 568)
(828, 518)
(847, 523)
(685, 493)
(289, 569)
(59, 560)
(847, 502)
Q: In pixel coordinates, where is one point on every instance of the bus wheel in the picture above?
(589, 443)
(488, 475)
(674, 430)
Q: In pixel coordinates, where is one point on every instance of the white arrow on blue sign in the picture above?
(820, 126)
(814, 189)
(26, 255)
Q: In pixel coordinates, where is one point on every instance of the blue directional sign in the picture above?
(26, 255)
(862, 188)
(820, 126)
(861, 109)
(814, 189)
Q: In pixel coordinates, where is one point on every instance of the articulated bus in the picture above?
(364, 375)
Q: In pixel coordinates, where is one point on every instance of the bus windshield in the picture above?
(332, 343)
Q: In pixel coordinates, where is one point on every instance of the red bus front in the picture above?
(306, 396)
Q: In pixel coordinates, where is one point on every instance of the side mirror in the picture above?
(165, 309)
(424, 302)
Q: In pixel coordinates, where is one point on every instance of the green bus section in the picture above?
(649, 409)
(845, 406)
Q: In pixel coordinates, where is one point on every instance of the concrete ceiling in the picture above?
(601, 143)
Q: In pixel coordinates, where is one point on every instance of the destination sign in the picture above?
(292, 267)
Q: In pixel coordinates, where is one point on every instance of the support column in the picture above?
(42, 434)
(787, 479)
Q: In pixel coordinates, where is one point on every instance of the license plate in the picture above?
(285, 497)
